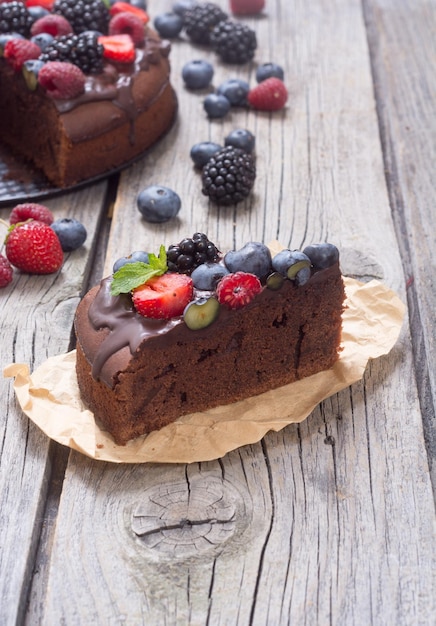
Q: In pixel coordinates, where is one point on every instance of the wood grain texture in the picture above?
(330, 521)
(36, 314)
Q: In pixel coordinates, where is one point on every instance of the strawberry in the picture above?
(34, 247)
(238, 289)
(52, 24)
(127, 23)
(62, 80)
(31, 211)
(17, 51)
(269, 95)
(246, 7)
(6, 271)
(121, 7)
(163, 297)
(46, 4)
(118, 48)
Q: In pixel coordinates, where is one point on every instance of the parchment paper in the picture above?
(50, 396)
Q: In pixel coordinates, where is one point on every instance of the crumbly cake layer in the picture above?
(138, 375)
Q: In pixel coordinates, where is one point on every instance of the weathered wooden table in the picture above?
(326, 522)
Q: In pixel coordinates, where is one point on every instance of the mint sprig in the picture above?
(132, 275)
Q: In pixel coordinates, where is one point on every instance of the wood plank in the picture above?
(328, 521)
(407, 93)
(36, 315)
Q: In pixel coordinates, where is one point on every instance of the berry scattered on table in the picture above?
(163, 297)
(322, 255)
(202, 151)
(119, 48)
(139, 256)
(82, 50)
(246, 7)
(168, 25)
(293, 264)
(34, 248)
(71, 233)
(269, 95)
(15, 18)
(241, 138)
(235, 90)
(201, 19)
(17, 51)
(228, 176)
(201, 313)
(61, 81)
(269, 70)
(197, 74)
(83, 14)
(191, 252)
(158, 204)
(253, 257)
(6, 271)
(55, 25)
(31, 211)
(233, 42)
(216, 106)
(237, 290)
(126, 23)
(207, 275)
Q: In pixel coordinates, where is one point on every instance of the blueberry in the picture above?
(168, 25)
(30, 71)
(235, 90)
(267, 70)
(293, 264)
(71, 233)
(201, 313)
(197, 74)
(206, 276)
(201, 152)
(37, 12)
(216, 105)
(254, 258)
(42, 40)
(139, 4)
(241, 138)
(182, 6)
(135, 257)
(322, 255)
(158, 204)
(275, 281)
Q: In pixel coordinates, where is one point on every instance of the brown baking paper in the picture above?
(50, 396)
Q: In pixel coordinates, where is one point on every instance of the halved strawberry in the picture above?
(238, 289)
(163, 297)
(46, 4)
(121, 7)
(118, 48)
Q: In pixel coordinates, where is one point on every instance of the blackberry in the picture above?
(200, 20)
(191, 252)
(82, 50)
(233, 42)
(84, 14)
(229, 175)
(15, 18)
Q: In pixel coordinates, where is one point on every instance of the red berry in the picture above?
(17, 51)
(46, 4)
(238, 289)
(118, 48)
(62, 80)
(127, 23)
(269, 95)
(33, 247)
(163, 297)
(121, 7)
(246, 7)
(52, 24)
(6, 271)
(31, 211)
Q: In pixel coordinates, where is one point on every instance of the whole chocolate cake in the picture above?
(76, 124)
(197, 337)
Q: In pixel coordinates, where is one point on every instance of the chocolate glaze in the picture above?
(127, 328)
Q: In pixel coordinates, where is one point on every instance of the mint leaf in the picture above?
(132, 275)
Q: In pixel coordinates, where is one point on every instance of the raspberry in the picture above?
(269, 95)
(233, 42)
(34, 248)
(55, 25)
(31, 211)
(237, 290)
(127, 23)
(62, 80)
(15, 18)
(6, 271)
(82, 50)
(200, 20)
(17, 51)
(228, 176)
(84, 14)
